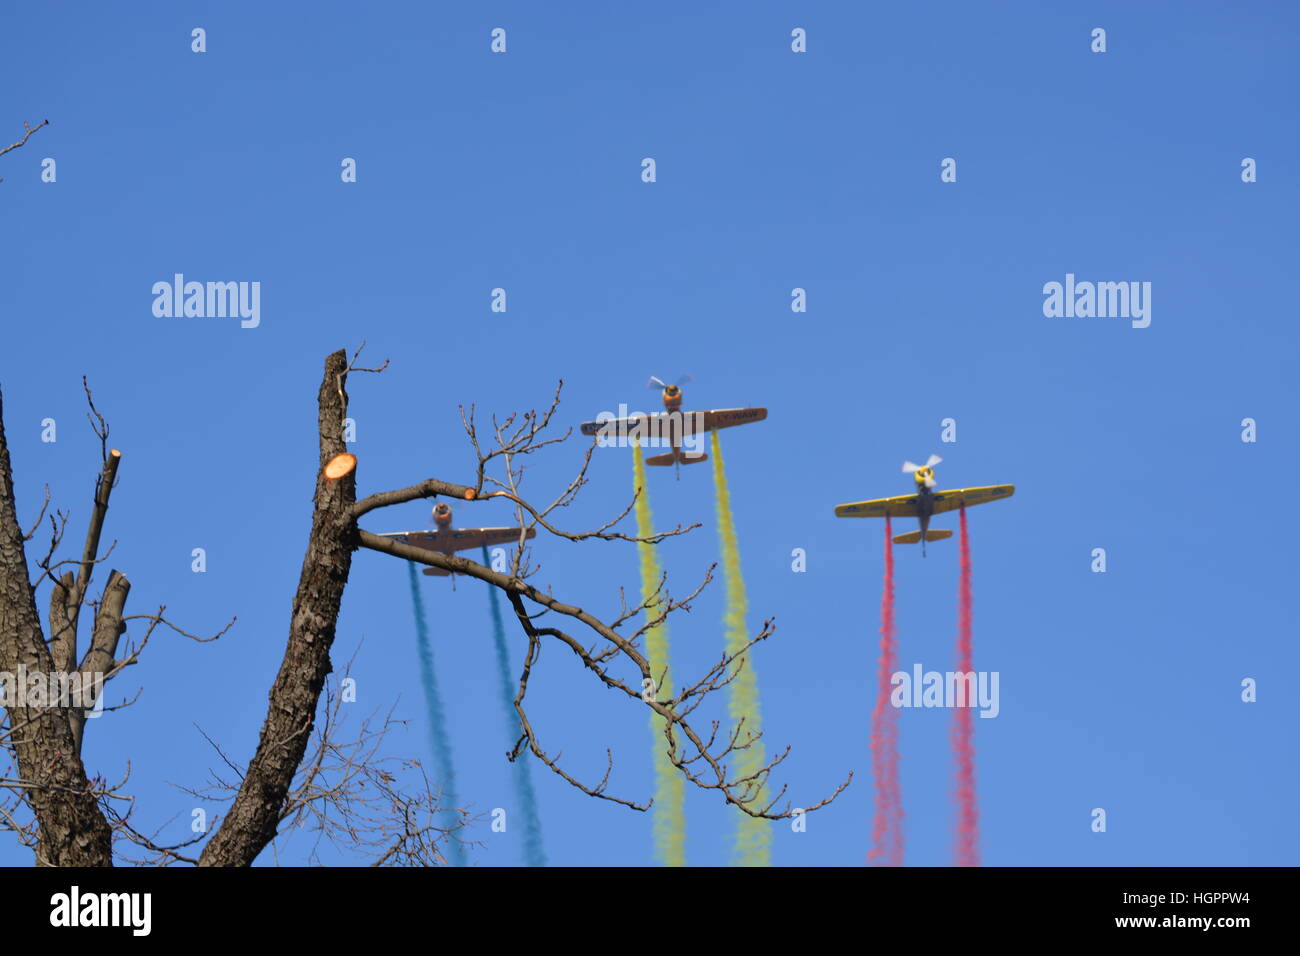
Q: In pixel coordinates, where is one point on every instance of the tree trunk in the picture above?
(73, 831)
(251, 823)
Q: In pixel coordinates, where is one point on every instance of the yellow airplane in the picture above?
(925, 503)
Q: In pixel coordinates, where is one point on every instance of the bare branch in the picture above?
(352, 363)
(27, 134)
(40, 517)
(97, 423)
(430, 488)
(742, 791)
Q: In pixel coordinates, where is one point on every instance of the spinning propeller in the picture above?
(657, 382)
(924, 472)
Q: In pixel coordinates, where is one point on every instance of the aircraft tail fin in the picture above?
(912, 537)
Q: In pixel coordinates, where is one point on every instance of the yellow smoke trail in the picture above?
(670, 796)
(753, 846)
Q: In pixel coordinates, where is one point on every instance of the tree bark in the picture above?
(251, 823)
(99, 659)
(73, 831)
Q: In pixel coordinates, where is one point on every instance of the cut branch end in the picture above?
(340, 466)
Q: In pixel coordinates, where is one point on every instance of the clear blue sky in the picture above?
(775, 171)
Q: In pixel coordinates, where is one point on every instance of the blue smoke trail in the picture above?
(437, 726)
(534, 854)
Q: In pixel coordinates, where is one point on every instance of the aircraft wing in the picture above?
(901, 506)
(458, 539)
(675, 423)
(417, 539)
(462, 539)
(966, 497)
(727, 417)
(618, 425)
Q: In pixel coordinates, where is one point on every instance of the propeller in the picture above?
(657, 382)
(910, 467)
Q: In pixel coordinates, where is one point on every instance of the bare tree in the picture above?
(76, 819)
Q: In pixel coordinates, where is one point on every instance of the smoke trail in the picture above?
(887, 827)
(534, 854)
(753, 846)
(967, 850)
(670, 795)
(437, 726)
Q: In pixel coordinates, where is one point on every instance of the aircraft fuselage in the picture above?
(924, 510)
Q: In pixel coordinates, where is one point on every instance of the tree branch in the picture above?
(29, 129)
(73, 830)
(291, 712)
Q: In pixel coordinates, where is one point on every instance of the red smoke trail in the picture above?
(968, 836)
(887, 827)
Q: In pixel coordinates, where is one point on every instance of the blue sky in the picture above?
(775, 170)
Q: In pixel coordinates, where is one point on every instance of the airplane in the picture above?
(448, 540)
(675, 424)
(924, 504)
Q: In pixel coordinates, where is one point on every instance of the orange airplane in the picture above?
(672, 425)
(448, 540)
